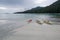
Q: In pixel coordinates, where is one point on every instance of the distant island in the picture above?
(53, 8)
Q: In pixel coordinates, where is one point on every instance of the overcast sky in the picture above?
(9, 6)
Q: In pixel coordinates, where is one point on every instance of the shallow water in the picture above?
(9, 22)
(28, 16)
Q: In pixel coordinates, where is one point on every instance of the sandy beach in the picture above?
(34, 31)
(16, 27)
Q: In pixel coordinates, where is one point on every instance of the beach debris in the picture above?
(29, 21)
(47, 22)
(39, 22)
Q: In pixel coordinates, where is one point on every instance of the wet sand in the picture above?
(20, 30)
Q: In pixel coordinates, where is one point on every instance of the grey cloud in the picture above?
(24, 3)
(16, 4)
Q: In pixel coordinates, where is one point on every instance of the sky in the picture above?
(11, 6)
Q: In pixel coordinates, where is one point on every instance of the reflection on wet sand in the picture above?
(6, 26)
(3, 21)
(33, 31)
(9, 28)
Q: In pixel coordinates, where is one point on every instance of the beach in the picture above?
(28, 27)
(34, 31)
